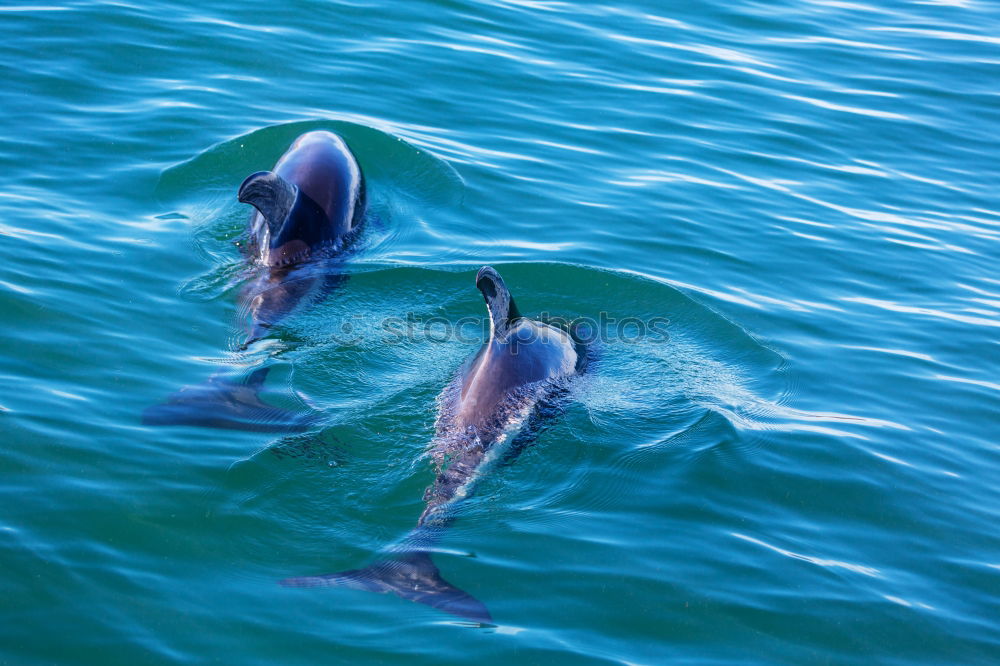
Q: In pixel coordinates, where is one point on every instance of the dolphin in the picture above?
(485, 414)
(307, 210)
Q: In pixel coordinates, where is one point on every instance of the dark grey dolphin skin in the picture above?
(517, 375)
(221, 402)
(307, 210)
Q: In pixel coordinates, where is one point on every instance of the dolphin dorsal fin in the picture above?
(503, 311)
(272, 196)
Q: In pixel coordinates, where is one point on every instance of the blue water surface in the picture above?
(802, 470)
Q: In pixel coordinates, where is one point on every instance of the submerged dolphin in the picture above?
(307, 210)
(519, 372)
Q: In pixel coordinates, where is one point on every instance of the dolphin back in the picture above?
(314, 196)
(410, 575)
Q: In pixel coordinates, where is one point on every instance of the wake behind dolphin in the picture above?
(306, 212)
(518, 373)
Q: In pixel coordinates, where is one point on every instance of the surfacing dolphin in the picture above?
(307, 211)
(494, 401)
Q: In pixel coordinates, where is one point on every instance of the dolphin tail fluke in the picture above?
(232, 404)
(255, 380)
(411, 576)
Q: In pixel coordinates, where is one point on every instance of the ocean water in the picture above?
(797, 464)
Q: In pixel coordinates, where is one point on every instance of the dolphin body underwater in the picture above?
(307, 211)
(487, 414)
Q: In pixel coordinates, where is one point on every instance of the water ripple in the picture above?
(800, 469)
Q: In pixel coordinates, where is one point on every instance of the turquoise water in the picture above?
(804, 470)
